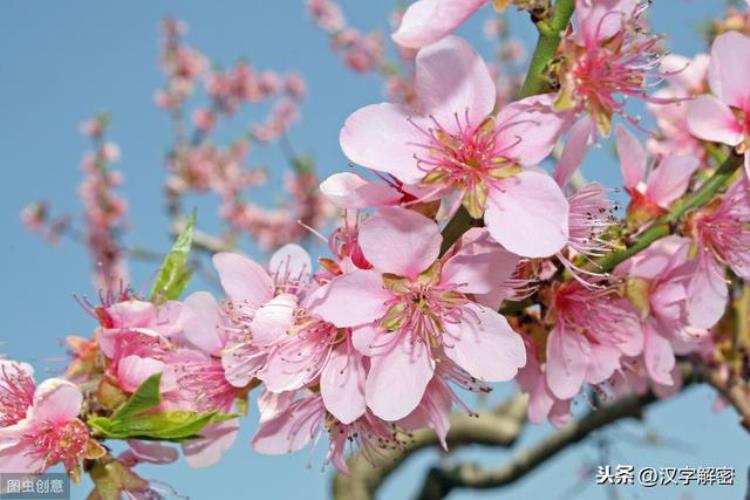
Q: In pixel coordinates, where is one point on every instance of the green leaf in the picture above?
(174, 275)
(167, 426)
(144, 398)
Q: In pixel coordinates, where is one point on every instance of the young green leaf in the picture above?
(144, 398)
(174, 274)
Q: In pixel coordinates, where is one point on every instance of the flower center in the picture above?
(467, 160)
(62, 443)
(421, 306)
(16, 394)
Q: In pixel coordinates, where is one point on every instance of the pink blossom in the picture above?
(543, 404)
(607, 57)
(685, 78)
(651, 194)
(412, 309)
(293, 426)
(722, 234)
(658, 284)
(593, 329)
(453, 144)
(39, 425)
(724, 117)
(428, 21)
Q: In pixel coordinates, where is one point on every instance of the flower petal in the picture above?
(353, 299)
(452, 80)
(203, 323)
(243, 279)
(528, 129)
(56, 401)
(658, 356)
(574, 152)
(480, 266)
(528, 215)
(568, 355)
(728, 71)
(632, 157)
(484, 344)
(382, 137)
(427, 21)
(342, 385)
(710, 119)
(400, 241)
(397, 379)
(348, 190)
(670, 179)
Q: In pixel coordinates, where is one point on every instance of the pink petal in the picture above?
(604, 360)
(132, 314)
(528, 215)
(214, 441)
(710, 119)
(400, 241)
(273, 320)
(484, 344)
(342, 385)
(632, 157)
(369, 339)
(133, 370)
(272, 404)
(670, 179)
(658, 356)
(381, 137)
(241, 363)
(427, 21)
(568, 356)
(152, 452)
(17, 457)
(243, 279)
(683, 73)
(203, 324)
(284, 371)
(290, 263)
(598, 20)
(452, 80)
(348, 190)
(574, 152)
(708, 293)
(528, 129)
(291, 430)
(480, 266)
(56, 401)
(397, 380)
(728, 71)
(353, 299)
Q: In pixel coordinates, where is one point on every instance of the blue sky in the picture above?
(62, 61)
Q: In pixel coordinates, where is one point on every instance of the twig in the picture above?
(440, 482)
(500, 427)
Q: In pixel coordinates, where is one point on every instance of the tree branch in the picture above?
(550, 33)
(440, 482)
(500, 427)
(734, 390)
(662, 226)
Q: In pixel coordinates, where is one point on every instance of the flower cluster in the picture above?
(456, 259)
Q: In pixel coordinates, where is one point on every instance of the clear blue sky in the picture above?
(61, 61)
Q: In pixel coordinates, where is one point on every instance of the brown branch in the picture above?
(439, 482)
(733, 389)
(500, 427)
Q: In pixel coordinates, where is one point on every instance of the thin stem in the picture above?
(662, 226)
(550, 33)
